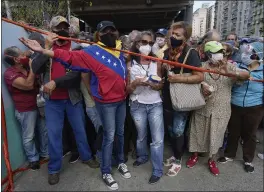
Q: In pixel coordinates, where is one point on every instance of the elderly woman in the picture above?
(179, 34)
(208, 125)
(146, 104)
(212, 35)
(247, 108)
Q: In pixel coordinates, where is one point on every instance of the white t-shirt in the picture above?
(144, 94)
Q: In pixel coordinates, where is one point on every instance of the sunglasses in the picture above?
(145, 42)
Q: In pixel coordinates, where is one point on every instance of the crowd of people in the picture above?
(133, 101)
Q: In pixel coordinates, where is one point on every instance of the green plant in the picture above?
(36, 12)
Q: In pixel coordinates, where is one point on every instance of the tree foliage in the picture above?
(36, 12)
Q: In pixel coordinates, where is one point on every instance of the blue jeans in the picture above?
(143, 114)
(113, 118)
(32, 123)
(176, 132)
(94, 117)
(54, 111)
(179, 123)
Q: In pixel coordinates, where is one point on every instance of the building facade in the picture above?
(256, 19)
(210, 18)
(245, 18)
(199, 24)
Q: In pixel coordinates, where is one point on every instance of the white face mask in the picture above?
(145, 49)
(160, 41)
(246, 48)
(217, 57)
(245, 58)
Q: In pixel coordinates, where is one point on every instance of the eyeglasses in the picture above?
(145, 42)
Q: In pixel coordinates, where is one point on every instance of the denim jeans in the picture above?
(94, 117)
(179, 123)
(143, 114)
(176, 132)
(32, 123)
(113, 118)
(54, 111)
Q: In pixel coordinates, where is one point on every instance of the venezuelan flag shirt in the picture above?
(108, 68)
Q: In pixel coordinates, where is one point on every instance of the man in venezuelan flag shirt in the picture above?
(108, 87)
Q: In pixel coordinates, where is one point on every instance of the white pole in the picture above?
(69, 11)
(8, 11)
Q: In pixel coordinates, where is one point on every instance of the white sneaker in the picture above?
(110, 182)
(169, 161)
(174, 170)
(122, 168)
(261, 156)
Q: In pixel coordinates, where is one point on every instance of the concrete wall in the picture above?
(10, 35)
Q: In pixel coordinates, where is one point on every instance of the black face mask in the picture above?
(109, 40)
(175, 42)
(62, 33)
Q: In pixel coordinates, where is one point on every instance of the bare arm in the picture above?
(196, 78)
(86, 80)
(242, 75)
(132, 85)
(25, 84)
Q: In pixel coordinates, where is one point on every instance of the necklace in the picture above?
(147, 71)
(218, 77)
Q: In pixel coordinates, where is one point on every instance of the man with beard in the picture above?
(108, 87)
(63, 88)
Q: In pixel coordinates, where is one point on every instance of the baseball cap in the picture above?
(55, 21)
(245, 40)
(162, 31)
(103, 24)
(213, 47)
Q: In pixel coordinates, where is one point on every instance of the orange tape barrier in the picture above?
(10, 185)
(173, 63)
(9, 178)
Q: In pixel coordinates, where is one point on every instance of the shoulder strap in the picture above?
(185, 59)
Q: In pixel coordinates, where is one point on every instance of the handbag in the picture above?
(186, 97)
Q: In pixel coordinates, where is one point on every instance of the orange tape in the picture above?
(173, 63)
